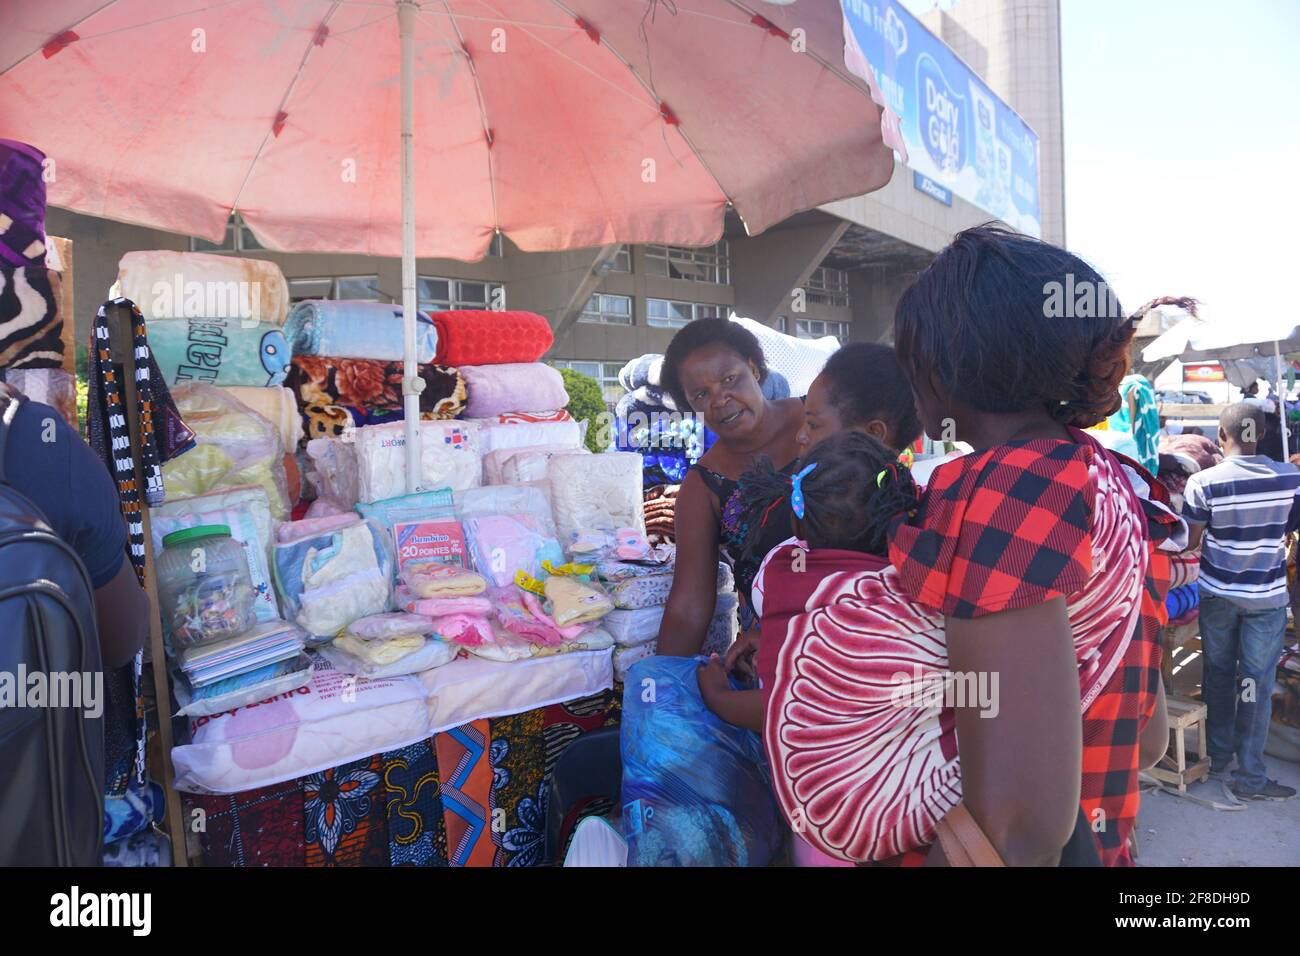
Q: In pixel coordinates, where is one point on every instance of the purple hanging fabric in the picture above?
(22, 205)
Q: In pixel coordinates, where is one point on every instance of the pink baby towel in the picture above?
(515, 387)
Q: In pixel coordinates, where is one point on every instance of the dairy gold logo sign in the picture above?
(77, 909)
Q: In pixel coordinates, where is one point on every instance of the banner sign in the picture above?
(957, 133)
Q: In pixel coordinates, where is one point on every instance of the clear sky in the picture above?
(1182, 148)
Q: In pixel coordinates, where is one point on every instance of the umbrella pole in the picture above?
(412, 384)
(1281, 403)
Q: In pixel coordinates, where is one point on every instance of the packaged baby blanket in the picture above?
(437, 607)
(495, 434)
(503, 545)
(435, 579)
(449, 458)
(329, 578)
(218, 351)
(496, 462)
(533, 499)
(531, 464)
(383, 627)
(333, 471)
(590, 492)
(179, 285)
(515, 387)
(235, 447)
(346, 328)
(575, 602)
(276, 405)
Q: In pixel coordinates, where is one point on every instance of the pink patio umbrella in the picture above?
(559, 124)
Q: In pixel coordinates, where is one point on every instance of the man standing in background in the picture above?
(1243, 507)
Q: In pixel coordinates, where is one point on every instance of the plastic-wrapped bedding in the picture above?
(260, 291)
(346, 328)
(633, 627)
(335, 719)
(472, 688)
(339, 717)
(334, 469)
(277, 405)
(331, 571)
(496, 435)
(532, 464)
(652, 590)
(449, 458)
(235, 447)
(596, 492)
(495, 462)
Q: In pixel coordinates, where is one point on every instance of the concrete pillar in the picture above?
(874, 292)
(765, 268)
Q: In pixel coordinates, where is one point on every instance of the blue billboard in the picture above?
(957, 133)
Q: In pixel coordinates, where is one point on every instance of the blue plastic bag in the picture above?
(696, 790)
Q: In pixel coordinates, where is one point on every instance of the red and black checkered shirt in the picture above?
(1015, 526)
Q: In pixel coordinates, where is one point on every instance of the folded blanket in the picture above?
(346, 328)
(474, 337)
(219, 351)
(372, 387)
(513, 387)
(31, 329)
(176, 285)
(440, 606)
(22, 204)
(276, 405)
(641, 371)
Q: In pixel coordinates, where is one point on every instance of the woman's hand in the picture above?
(712, 678)
(742, 656)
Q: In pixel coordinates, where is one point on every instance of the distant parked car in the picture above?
(1184, 398)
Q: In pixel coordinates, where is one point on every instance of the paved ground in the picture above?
(1177, 832)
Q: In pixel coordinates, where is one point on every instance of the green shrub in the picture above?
(587, 404)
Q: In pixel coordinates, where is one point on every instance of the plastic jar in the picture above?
(204, 586)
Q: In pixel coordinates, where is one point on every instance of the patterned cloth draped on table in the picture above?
(433, 803)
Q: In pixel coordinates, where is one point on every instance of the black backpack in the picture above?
(51, 757)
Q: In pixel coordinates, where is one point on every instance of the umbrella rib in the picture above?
(293, 83)
(70, 26)
(657, 101)
(482, 112)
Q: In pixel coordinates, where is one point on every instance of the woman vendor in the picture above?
(716, 368)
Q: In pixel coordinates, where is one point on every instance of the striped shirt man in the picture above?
(1247, 504)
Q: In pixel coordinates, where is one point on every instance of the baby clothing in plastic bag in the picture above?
(382, 627)
(504, 544)
(329, 579)
(574, 601)
(359, 658)
(440, 606)
(433, 579)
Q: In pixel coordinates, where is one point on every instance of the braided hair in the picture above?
(852, 497)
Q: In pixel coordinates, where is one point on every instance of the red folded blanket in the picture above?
(474, 337)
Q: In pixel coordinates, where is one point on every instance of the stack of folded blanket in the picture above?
(660, 502)
(640, 592)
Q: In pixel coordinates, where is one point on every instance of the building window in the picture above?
(606, 373)
(337, 287)
(815, 329)
(668, 314)
(828, 287)
(238, 238)
(440, 295)
(608, 309)
(706, 264)
(622, 261)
